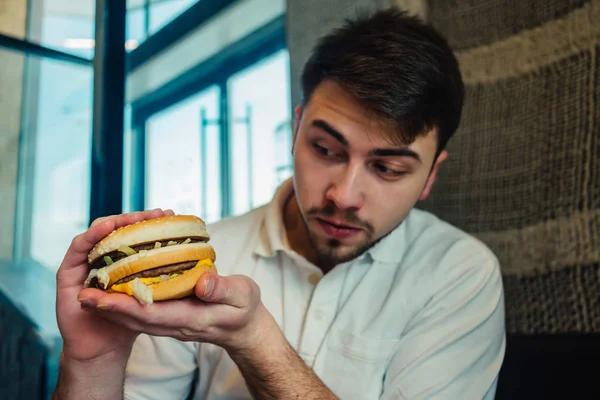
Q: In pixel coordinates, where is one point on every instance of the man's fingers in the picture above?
(174, 314)
(132, 323)
(76, 256)
(236, 290)
(132, 218)
(82, 244)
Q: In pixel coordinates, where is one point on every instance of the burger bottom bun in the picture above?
(174, 288)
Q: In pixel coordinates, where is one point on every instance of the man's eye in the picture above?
(324, 151)
(382, 169)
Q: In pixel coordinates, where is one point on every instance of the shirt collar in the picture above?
(273, 237)
(391, 248)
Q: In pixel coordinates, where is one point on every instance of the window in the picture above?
(210, 133)
(259, 111)
(57, 138)
(183, 157)
(184, 153)
(163, 12)
(67, 26)
(146, 17)
(135, 30)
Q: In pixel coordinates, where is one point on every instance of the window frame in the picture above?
(107, 116)
(260, 44)
(33, 55)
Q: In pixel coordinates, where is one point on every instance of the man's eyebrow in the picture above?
(396, 152)
(319, 123)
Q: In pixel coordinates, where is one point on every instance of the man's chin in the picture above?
(333, 251)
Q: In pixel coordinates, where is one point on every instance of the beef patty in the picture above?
(149, 273)
(165, 270)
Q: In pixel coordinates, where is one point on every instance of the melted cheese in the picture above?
(126, 287)
(206, 261)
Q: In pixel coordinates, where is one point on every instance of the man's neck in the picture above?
(296, 232)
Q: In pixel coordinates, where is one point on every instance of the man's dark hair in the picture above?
(401, 70)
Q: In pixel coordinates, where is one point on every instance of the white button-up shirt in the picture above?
(418, 316)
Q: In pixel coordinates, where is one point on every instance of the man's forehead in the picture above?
(331, 103)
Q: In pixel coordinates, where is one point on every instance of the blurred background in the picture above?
(110, 106)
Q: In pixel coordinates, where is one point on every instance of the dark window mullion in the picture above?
(226, 189)
(203, 161)
(108, 110)
(146, 19)
(138, 165)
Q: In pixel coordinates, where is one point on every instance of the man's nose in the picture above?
(347, 191)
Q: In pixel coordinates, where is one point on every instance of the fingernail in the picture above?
(208, 287)
(104, 307)
(88, 303)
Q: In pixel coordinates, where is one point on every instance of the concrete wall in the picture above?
(13, 15)
(12, 22)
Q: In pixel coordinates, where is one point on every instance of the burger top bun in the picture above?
(155, 230)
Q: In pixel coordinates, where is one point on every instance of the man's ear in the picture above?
(440, 159)
(298, 115)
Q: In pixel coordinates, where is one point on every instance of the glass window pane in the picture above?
(67, 26)
(163, 12)
(58, 109)
(260, 116)
(182, 163)
(136, 28)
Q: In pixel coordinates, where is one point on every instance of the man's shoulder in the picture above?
(445, 246)
(431, 232)
(441, 259)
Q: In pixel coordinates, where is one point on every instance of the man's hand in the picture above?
(95, 350)
(228, 312)
(99, 328)
(225, 311)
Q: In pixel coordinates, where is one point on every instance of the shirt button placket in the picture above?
(320, 314)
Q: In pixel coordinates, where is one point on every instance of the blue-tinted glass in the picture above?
(260, 120)
(161, 13)
(67, 26)
(59, 109)
(177, 176)
(135, 30)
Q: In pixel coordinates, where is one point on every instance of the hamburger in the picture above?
(153, 260)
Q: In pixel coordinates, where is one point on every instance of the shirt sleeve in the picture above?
(160, 368)
(454, 347)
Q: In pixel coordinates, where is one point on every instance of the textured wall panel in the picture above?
(524, 172)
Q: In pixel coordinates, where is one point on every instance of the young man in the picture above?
(338, 288)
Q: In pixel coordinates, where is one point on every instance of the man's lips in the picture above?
(337, 229)
(339, 224)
